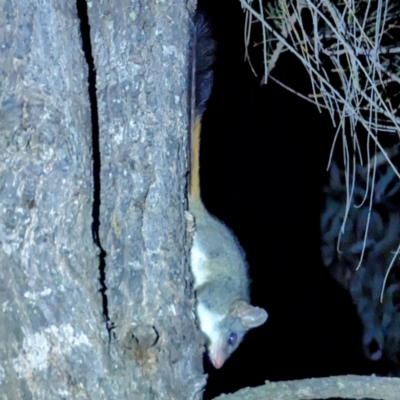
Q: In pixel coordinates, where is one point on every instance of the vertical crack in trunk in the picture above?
(87, 49)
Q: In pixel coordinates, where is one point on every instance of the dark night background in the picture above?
(263, 159)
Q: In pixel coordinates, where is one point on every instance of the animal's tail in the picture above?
(203, 54)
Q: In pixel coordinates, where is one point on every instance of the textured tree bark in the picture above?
(77, 322)
(141, 56)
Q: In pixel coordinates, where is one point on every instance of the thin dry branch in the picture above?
(345, 387)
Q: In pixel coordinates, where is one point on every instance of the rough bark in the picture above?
(50, 311)
(141, 56)
(73, 324)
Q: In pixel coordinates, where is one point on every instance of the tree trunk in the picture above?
(109, 315)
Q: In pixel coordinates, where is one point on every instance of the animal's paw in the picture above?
(190, 224)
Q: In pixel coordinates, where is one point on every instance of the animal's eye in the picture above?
(232, 338)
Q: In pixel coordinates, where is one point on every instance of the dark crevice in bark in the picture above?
(87, 49)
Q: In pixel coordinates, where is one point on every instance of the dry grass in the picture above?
(349, 42)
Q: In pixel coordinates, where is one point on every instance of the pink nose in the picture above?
(218, 358)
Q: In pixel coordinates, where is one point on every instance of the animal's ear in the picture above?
(250, 316)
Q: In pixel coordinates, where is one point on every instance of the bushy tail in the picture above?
(203, 55)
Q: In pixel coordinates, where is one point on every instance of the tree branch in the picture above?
(345, 387)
